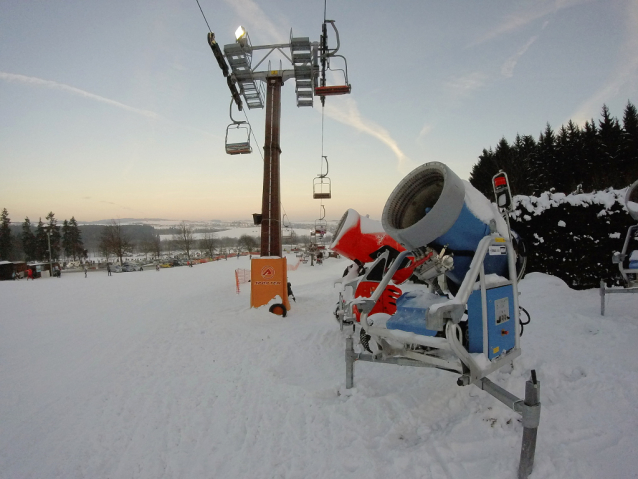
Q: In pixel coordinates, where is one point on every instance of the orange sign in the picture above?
(269, 280)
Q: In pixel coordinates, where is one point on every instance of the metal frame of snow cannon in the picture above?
(448, 353)
(631, 284)
(442, 352)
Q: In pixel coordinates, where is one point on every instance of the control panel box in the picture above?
(501, 326)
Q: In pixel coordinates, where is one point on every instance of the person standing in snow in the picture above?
(108, 268)
(29, 274)
(85, 271)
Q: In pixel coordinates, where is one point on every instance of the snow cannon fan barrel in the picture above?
(631, 200)
(433, 207)
(358, 237)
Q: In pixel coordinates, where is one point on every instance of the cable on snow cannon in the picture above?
(466, 319)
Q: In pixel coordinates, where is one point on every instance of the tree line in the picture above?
(39, 243)
(70, 241)
(574, 159)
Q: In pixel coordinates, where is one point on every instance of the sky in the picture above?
(118, 109)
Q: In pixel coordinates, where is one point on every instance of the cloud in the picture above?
(39, 82)
(521, 19)
(350, 115)
(427, 128)
(257, 22)
(116, 204)
(625, 72)
(462, 86)
(507, 69)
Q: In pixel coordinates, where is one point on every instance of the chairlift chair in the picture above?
(321, 227)
(239, 134)
(238, 130)
(321, 188)
(324, 90)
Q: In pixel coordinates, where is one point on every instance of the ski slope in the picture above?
(170, 374)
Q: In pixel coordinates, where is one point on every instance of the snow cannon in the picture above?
(631, 200)
(433, 207)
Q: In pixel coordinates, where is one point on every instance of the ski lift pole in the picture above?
(270, 204)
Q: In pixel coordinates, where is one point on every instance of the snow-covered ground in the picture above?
(170, 374)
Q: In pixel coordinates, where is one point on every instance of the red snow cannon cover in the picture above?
(357, 237)
(360, 238)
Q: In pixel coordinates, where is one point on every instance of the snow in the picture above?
(171, 374)
(604, 199)
(370, 226)
(485, 211)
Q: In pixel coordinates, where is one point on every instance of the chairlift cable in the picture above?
(252, 132)
(200, 9)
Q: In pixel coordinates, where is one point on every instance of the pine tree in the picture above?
(590, 157)
(543, 165)
(77, 246)
(41, 242)
(5, 236)
(28, 241)
(483, 171)
(66, 240)
(610, 135)
(573, 157)
(629, 153)
(56, 237)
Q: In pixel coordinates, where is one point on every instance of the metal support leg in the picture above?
(531, 419)
(349, 362)
(602, 297)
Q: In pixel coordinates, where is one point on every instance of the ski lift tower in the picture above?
(246, 84)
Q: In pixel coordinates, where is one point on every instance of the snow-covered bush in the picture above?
(573, 236)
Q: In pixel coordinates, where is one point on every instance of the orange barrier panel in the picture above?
(294, 268)
(269, 279)
(241, 276)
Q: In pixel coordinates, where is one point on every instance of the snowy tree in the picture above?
(246, 243)
(114, 241)
(208, 244)
(183, 239)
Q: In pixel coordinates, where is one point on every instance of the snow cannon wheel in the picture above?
(278, 309)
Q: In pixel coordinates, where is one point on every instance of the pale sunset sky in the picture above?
(118, 109)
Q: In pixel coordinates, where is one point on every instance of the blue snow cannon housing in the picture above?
(433, 207)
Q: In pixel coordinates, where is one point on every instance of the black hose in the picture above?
(520, 321)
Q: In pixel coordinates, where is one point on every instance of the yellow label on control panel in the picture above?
(495, 350)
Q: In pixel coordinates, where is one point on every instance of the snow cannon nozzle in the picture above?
(433, 207)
